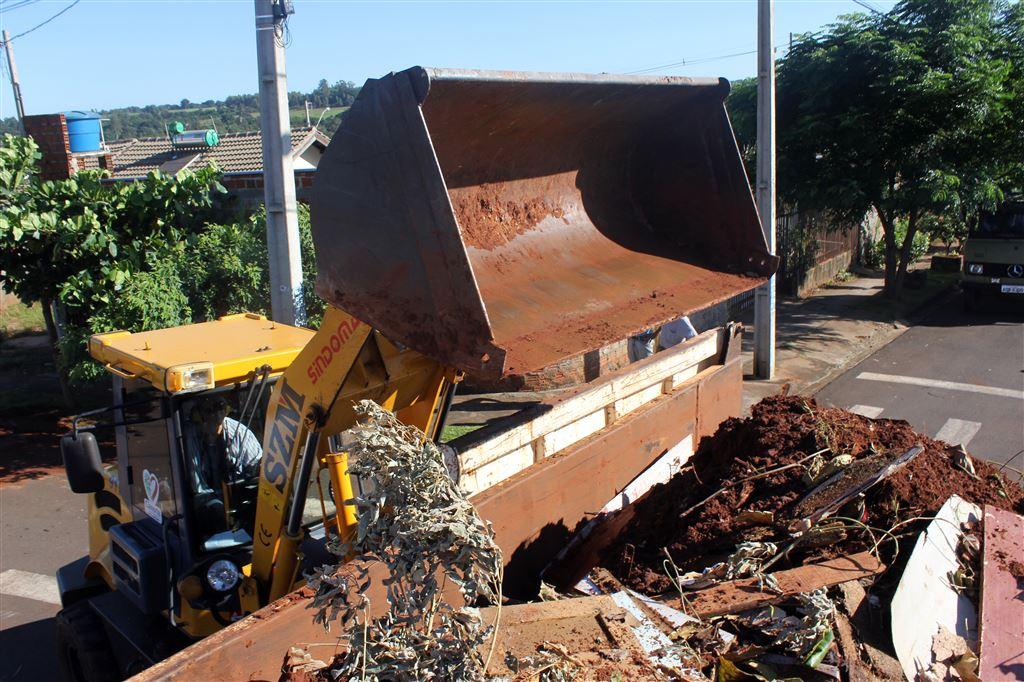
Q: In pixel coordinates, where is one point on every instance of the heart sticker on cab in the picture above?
(152, 485)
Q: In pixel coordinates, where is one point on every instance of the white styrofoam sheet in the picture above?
(925, 600)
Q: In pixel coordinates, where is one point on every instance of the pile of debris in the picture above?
(756, 477)
(803, 542)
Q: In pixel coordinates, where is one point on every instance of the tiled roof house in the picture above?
(238, 155)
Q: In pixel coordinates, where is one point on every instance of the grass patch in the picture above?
(453, 431)
(18, 319)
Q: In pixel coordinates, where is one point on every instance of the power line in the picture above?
(684, 62)
(655, 68)
(724, 56)
(44, 23)
(16, 4)
(868, 7)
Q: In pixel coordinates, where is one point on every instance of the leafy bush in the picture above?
(918, 246)
(150, 300)
(226, 269)
(946, 227)
(107, 253)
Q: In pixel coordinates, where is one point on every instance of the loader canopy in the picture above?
(500, 222)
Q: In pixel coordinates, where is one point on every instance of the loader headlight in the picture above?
(197, 376)
(222, 575)
(975, 268)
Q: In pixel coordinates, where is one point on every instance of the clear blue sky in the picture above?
(110, 53)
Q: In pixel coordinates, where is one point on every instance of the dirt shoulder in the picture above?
(33, 416)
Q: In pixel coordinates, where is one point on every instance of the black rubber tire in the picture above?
(83, 650)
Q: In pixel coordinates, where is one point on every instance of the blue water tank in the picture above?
(84, 131)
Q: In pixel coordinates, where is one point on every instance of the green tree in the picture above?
(98, 249)
(742, 105)
(228, 269)
(133, 256)
(887, 112)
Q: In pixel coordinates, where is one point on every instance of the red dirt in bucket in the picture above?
(489, 218)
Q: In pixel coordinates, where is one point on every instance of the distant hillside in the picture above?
(236, 113)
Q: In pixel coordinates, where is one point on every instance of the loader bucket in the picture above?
(501, 222)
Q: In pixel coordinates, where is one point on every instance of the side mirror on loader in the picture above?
(82, 462)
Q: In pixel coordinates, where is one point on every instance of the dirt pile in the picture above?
(489, 218)
(781, 431)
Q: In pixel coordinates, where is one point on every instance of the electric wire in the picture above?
(690, 62)
(868, 7)
(11, 5)
(44, 23)
(705, 60)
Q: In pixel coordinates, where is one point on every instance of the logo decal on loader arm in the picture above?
(285, 428)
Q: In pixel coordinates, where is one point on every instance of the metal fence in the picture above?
(802, 240)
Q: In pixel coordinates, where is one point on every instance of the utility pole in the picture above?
(286, 303)
(15, 83)
(307, 113)
(764, 296)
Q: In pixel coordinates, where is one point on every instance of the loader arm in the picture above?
(344, 362)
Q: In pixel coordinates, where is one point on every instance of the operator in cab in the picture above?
(223, 453)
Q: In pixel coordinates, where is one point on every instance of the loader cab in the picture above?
(194, 458)
(171, 517)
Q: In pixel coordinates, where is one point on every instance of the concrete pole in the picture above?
(15, 83)
(764, 297)
(286, 303)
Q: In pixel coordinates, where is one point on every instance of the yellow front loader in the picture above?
(493, 223)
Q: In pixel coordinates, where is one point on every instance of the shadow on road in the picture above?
(29, 652)
(992, 310)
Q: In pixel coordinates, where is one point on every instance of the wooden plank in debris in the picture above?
(561, 609)
(856, 669)
(593, 631)
(832, 494)
(1002, 597)
(745, 594)
(864, 638)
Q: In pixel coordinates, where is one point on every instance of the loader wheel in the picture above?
(83, 650)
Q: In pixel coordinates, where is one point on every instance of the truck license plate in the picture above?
(1012, 288)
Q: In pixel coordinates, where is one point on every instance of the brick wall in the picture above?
(50, 131)
(248, 188)
(572, 371)
(580, 369)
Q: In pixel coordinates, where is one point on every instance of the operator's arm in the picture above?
(243, 450)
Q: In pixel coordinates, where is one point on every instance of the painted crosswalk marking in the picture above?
(869, 411)
(939, 383)
(958, 432)
(15, 583)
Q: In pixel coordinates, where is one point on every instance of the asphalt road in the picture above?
(42, 527)
(954, 375)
